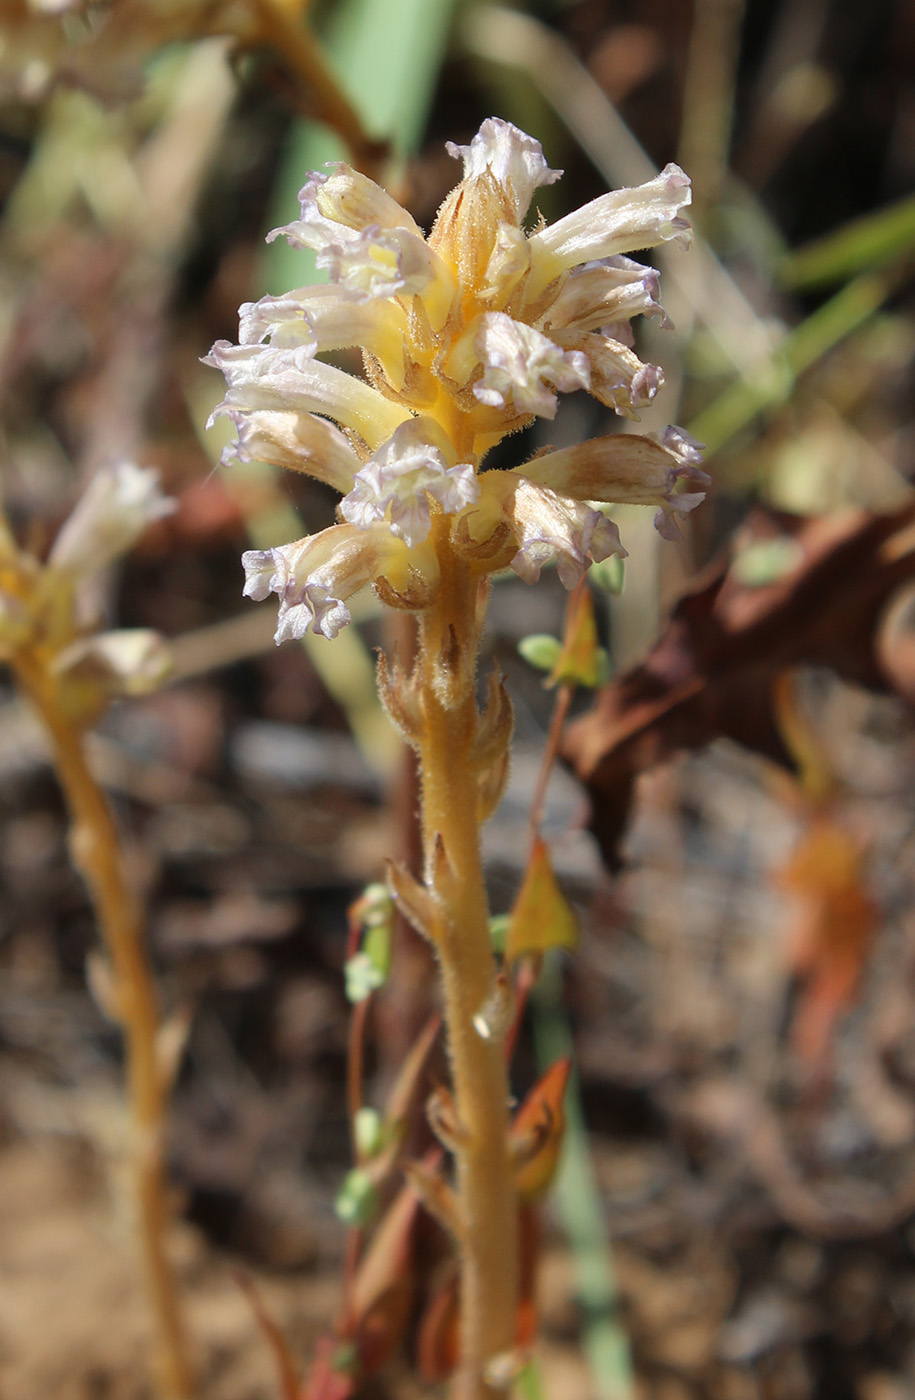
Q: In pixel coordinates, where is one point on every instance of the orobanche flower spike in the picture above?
(69, 671)
(467, 335)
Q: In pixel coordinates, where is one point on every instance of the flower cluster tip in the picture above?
(467, 335)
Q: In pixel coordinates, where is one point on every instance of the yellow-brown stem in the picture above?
(486, 1196)
(97, 854)
(297, 47)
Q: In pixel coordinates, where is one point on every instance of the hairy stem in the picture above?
(96, 853)
(486, 1195)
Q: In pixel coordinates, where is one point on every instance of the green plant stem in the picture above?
(96, 852)
(487, 1203)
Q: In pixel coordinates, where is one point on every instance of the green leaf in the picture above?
(357, 1199)
(540, 650)
(766, 561)
(609, 574)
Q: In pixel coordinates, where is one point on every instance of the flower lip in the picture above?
(402, 477)
(514, 159)
(313, 577)
(521, 366)
(620, 221)
(555, 527)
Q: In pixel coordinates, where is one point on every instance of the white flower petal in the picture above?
(381, 263)
(300, 441)
(619, 378)
(110, 516)
(514, 158)
(327, 318)
(313, 578)
(554, 527)
(260, 377)
(600, 293)
(521, 366)
(350, 198)
(402, 477)
(620, 221)
(313, 229)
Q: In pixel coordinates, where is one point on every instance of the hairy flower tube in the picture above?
(467, 335)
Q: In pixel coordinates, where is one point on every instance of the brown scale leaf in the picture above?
(714, 669)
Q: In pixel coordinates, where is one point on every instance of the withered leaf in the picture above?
(713, 671)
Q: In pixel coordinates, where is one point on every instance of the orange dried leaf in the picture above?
(537, 1131)
(383, 1289)
(834, 930)
(579, 662)
(541, 918)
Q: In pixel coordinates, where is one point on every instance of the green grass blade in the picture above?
(861, 245)
(577, 1203)
(387, 54)
(738, 405)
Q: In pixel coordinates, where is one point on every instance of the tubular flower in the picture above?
(43, 606)
(467, 335)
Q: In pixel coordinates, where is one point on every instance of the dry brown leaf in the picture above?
(713, 671)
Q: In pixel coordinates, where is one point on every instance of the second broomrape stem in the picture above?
(97, 854)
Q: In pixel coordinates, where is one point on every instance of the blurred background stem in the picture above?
(97, 854)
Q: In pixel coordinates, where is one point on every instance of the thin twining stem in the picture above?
(96, 852)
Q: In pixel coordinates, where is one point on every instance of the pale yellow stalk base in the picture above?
(486, 1196)
(96, 853)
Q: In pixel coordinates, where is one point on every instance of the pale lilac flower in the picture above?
(402, 477)
(621, 221)
(521, 367)
(551, 527)
(110, 516)
(513, 159)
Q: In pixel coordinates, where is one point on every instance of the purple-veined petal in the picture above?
(522, 367)
(400, 480)
(260, 377)
(600, 293)
(618, 378)
(515, 159)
